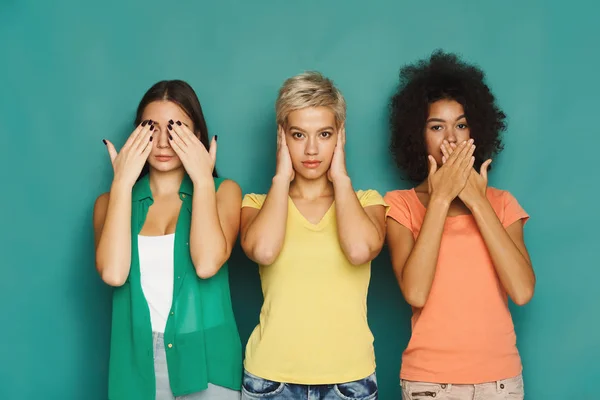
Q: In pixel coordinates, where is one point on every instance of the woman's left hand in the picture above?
(197, 161)
(337, 169)
(476, 187)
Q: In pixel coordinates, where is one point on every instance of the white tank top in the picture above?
(156, 269)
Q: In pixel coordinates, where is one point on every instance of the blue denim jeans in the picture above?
(254, 387)
(163, 387)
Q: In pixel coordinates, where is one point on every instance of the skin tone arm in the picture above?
(112, 211)
(414, 261)
(263, 231)
(361, 230)
(506, 246)
(215, 214)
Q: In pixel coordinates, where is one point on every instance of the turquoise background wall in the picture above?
(72, 73)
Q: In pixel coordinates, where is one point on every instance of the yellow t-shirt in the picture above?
(313, 325)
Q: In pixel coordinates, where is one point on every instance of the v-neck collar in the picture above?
(325, 219)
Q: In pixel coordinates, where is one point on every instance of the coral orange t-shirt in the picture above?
(464, 334)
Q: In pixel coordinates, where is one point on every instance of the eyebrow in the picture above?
(443, 120)
(327, 128)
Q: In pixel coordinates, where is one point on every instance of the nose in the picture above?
(312, 147)
(451, 135)
(161, 137)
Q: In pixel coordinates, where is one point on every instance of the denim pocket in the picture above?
(254, 386)
(362, 389)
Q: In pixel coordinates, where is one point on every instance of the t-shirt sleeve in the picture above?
(513, 211)
(399, 209)
(371, 198)
(254, 200)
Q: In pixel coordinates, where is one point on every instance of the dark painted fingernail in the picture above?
(104, 141)
(170, 127)
(150, 138)
(151, 127)
(150, 121)
(170, 137)
(171, 122)
(144, 123)
(216, 137)
(179, 123)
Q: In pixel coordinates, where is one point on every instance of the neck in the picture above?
(165, 183)
(311, 189)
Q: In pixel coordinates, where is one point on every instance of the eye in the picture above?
(462, 126)
(297, 135)
(436, 127)
(326, 134)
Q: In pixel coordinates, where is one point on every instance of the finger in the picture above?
(177, 131)
(112, 152)
(142, 138)
(136, 133)
(445, 152)
(184, 130)
(484, 169)
(145, 139)
(432, 165)
(456, 154)
(146, 151)
(175, 141)
(468, 154)
(463, 152)
(212, 151)
(444, 159)
(343, 132)
(283, 140)
(279, 135)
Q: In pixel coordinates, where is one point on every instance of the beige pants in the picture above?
(511, 388)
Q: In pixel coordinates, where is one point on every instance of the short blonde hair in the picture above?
(309, 89)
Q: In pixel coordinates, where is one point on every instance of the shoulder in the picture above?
(228, 186)
(100, 207)
(254, 200)
(370, 197)
(101, 201)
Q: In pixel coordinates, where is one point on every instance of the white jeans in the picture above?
(511, 388)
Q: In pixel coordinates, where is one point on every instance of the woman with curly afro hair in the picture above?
(456, 244)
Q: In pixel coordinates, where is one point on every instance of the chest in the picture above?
(313, 211)
(162, 217)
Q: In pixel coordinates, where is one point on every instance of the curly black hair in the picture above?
(442, 76)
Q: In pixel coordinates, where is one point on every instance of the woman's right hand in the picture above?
(284, 161)
(449, 180)
(129, 162)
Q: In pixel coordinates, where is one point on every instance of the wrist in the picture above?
(120, 186)
(281, 181)
(341, 181)
(439, 202)
(476, 204)
(203, 182)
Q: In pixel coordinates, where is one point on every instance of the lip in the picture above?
(163, 158)
(311, 164)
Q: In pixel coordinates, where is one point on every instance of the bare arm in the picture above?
(508, 252)
(415, 268)
(361, 230)
(112, 211)
(112, 234)
(263, 231)
(415, 262)
(215, 225)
